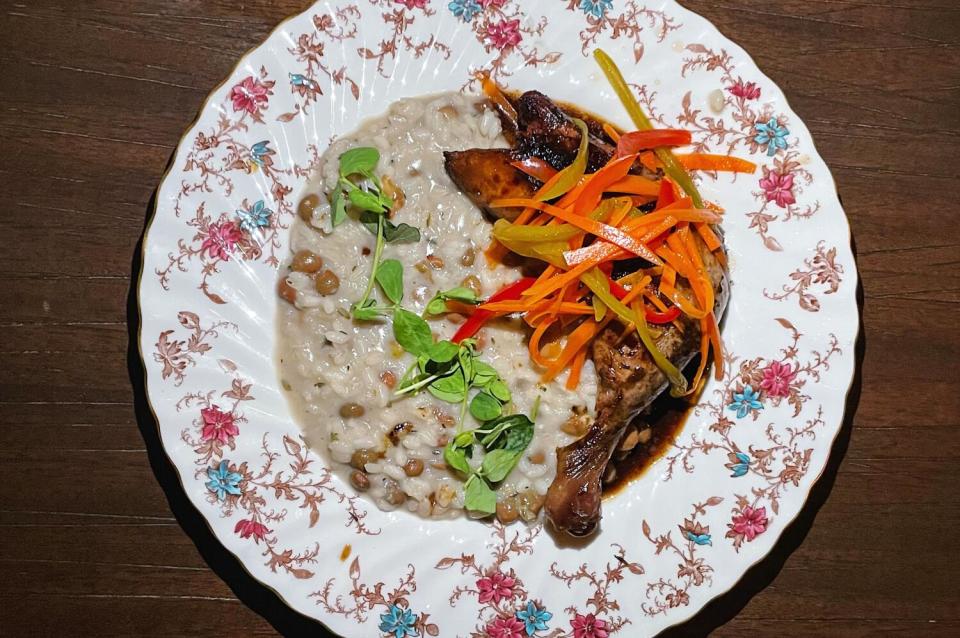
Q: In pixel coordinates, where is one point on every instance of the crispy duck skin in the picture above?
(485, 175)
(628, 382)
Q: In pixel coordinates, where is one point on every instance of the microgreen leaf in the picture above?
(443, 352)
(497, 464)
(478, 497)
(390, 278)
(456, 458)
(361, 160)
(483, 373)
(484, 407)
(339, 208)
(365, 200)
(450, 388)
(411, 332)
(500, 390)
(399, 233)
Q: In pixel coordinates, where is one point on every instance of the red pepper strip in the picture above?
(667, 194)
(616, 289)
(636, 141)
(536, 168)
(662, 317)
(472, 326)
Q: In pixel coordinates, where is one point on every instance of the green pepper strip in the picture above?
(570, 176)
(505, 231)
(597, 282)
(670, 164)
(548, 251)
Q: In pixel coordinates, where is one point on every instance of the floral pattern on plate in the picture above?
(740, 468)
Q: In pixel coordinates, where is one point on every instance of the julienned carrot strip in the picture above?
(681, 301)
(649, 161)
(704, 355)
(534, 344)
(579, 338)
(709, 237)
(636, 290)
(573, 379)
(495, 95)
(666, 195)
(614, 171)
(669, 278)
(717, 344)
(693, 253)
(707, 162)
(634, 185)
(611, 132)
(605, 231)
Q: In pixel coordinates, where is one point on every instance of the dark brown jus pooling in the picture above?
(666, 419)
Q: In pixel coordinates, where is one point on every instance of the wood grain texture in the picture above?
(95, 96)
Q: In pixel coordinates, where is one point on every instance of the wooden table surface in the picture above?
(94, 96)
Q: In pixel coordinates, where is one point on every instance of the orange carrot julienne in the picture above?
(611, 132)
(495, 95)
(536, 355)
(613, 172)
(605, 231)
(709, 237)
(634, 185)
(578, 339)
(707, 162)
(573, 379)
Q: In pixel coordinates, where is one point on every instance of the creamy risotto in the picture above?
(342, 374)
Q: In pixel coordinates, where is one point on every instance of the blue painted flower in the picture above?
(257, 216)
(464, 9)
(745, 401)
(699, 539)
(259, 151)
(739, 464)
(534, 619)
(399, 622)
(223, 481)
(596, 8)
(771, 135)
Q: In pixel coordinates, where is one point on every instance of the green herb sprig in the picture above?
(372, 204)
(438, 304)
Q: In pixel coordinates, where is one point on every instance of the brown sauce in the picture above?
(666, 419)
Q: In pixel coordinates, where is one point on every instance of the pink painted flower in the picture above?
(413, 4)
(588, 626)
(492, 3)
(747, 91)
(777, 378)
(250, 528)
(218, 425)
(778, 188)
(250, 95)
(221, 240)
(751, 523)
(504, 34)
(496, 587)
(508, 627)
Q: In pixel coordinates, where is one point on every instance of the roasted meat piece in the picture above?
(628, 382)
(485, 175)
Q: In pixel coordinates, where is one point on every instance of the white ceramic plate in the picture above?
(681, 534)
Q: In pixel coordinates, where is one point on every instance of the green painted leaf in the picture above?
(390, 277)
(411, 332)
(484, 407)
